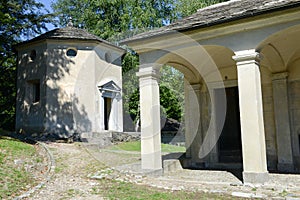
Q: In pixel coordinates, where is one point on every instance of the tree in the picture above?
(111, 19)
(114, 20)
(188, 7)
(19, 20)
(130, 89)
(172, 92)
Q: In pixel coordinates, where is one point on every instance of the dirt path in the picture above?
(70, 179)
(78, 164)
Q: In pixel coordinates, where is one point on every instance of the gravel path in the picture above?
(79, 165)
(70, 179)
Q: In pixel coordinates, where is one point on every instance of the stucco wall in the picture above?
(108, 69)
(75, 81)
(70, 98)
(29, 114)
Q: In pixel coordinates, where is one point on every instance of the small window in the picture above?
(32, 55)
(108, 57)
(35, 90)
(71, 53)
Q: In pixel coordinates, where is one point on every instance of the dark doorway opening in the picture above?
(229, 143)
(107, 111)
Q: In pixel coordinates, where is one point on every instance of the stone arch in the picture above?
(222, 57)
(280, 49)
(280, 53)
(185, 63)
(293, 66)
(182, 65)
(208, 65)
(201, 63)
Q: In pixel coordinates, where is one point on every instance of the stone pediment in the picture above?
(110, 89)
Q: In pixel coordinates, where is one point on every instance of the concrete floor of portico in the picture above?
(280, 186)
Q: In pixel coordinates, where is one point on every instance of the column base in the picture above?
(285, 167)
(151, 160)
(255, 177)
(171, 165)
(154, 173)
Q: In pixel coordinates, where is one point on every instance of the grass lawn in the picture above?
(15, 158)
(136, 146)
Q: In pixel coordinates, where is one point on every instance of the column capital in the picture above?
(197, 86)
(280, 76)
(246, 56)
(149, 71)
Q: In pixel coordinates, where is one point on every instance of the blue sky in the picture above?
(47, 4)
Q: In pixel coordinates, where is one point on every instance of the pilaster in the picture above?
(282, 122)
(193, 137)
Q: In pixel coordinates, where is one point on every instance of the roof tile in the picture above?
(219, 13)
(69, 33)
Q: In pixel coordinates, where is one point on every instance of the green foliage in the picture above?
(130, 86)
(112, 19)
(172, 92)
(7, 93)
(186, 8)
(19, 20)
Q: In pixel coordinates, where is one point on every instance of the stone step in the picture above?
(171, 165)
(95, 138)
(96, 134)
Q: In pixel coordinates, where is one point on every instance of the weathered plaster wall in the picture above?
(74, 100)
(108, 69)
(29, 115)
(62, 75)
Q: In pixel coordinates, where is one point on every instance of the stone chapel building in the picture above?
(69, 81)
(241, 62)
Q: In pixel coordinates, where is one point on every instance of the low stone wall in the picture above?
(118, 137)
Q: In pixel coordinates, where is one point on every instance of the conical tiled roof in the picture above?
(68, 33)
